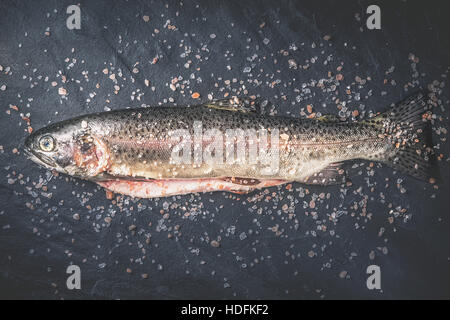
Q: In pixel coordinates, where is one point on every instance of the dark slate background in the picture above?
(39, 237)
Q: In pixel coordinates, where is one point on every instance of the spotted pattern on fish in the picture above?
(138, 144)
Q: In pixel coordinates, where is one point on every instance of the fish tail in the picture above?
(408, 131)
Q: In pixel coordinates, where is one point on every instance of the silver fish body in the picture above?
(232, 141)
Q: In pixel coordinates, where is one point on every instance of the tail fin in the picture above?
(408, 131)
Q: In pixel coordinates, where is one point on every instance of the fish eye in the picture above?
(47, 143)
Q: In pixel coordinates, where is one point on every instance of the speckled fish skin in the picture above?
(136, 143)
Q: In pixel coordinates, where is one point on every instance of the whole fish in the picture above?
(229, 145)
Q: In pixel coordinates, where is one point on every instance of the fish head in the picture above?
(68, 147)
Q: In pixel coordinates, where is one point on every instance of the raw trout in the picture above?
(229, 145)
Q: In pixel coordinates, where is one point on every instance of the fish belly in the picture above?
(170, 187)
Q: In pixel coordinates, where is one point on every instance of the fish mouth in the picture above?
(40, 159)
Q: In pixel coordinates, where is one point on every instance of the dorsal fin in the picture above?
(328, 118)
(241, 104)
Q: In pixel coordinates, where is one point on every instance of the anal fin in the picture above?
(331, 175)
(242, 181)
